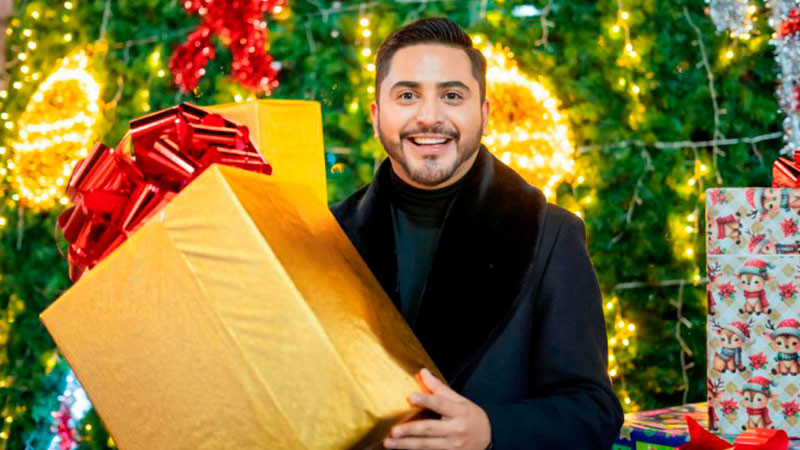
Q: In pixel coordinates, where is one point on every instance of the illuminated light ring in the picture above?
(526, 129)
(55, 131)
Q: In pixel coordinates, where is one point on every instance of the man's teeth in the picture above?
(428, 141)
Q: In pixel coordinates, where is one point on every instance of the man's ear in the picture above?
(485, 113)
(373, 113)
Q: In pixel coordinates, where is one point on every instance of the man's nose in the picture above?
(430, 113)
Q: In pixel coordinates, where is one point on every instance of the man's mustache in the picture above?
(452, 134)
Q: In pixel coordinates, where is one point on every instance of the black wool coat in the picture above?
(524, 341)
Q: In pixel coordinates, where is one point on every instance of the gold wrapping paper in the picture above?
(240, 316)
(289, 134)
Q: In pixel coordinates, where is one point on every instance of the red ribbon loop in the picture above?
(752, 439)
(786, 173)
(114, 192)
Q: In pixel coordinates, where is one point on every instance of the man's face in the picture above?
(430, 119)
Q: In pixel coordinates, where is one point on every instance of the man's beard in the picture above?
(432, 172)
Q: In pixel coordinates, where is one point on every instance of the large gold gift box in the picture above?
(239, 317)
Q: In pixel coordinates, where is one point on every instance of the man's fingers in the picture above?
(417, 442)
(439, 403)
(437, 386)
(423, 428)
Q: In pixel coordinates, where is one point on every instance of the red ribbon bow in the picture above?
(753, 439)
(240, 25)
(114, 193)
(786, 173)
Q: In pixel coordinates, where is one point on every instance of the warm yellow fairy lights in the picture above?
(526, 129)
(55, 131)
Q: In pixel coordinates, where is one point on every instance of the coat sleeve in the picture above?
(570, 403)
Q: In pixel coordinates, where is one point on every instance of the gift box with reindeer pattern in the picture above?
(753, 267)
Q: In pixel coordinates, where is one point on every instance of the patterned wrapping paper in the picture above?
(753, 271)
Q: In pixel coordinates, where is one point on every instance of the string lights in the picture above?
(55, 131)
(526, 129)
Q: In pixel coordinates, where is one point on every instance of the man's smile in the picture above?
(427, 144)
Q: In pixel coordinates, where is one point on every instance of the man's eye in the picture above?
(452, 96)
(406, 96)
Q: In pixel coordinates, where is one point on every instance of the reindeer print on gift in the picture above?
(753, 277)
(728, 357)
(762, 244)
(785, 341)
(714, 390)
(768, 201)
(756, 394)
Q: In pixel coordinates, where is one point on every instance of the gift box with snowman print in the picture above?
(753, 267)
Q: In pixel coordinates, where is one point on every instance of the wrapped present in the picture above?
(679, 427)
(753, 267)
(116, 190)
(661, 429)
(239, 316)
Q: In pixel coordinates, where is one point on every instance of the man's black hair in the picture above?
(435, 30)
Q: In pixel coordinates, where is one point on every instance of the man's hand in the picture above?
(463, 426)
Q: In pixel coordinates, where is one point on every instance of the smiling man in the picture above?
(495, 282)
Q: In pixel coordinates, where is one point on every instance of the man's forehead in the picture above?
(430, 63)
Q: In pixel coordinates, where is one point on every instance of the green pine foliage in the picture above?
(639, 193)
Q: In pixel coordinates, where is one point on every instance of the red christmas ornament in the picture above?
(791, 25)
(240, 25)
(63, 428)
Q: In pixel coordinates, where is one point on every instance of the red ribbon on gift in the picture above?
(752, 439)
(114, 192)
(786, 173)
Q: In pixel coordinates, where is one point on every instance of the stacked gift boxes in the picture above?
(668, 429)
(661, 429)
(753, 309)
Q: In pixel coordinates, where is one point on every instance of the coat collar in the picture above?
(478, 271)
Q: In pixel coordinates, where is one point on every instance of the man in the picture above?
(504, 301)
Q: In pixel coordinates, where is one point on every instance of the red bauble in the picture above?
(791, 25)
(240, 25)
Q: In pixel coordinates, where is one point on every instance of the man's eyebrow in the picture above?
(406, 84)
(441, 85)
(452, 84)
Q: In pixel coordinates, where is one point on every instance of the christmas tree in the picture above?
(623, 111)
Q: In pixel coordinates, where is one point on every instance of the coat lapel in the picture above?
(484, 251)
(373, 235)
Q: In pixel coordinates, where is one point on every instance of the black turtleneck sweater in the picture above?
(418, 216)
